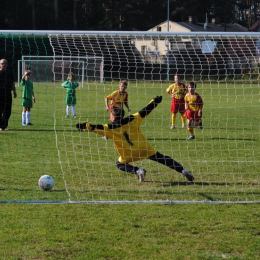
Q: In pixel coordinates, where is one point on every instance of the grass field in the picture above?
(224, 158)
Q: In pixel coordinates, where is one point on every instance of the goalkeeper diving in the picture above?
(130, 142)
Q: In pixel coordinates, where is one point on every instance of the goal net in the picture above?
(224, 156)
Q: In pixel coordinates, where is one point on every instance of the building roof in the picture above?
(213, 27)
(202, 27)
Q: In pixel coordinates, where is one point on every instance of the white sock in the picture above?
(73, 110)
(68, 110)
(23, 118)
(28, 117)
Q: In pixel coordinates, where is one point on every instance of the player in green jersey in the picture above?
(28, 98)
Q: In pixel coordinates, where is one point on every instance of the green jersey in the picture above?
(71, 91)
(27, 91)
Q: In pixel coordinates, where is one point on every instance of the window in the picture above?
(159, 28)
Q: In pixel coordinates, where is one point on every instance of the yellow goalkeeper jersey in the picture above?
(127, 136)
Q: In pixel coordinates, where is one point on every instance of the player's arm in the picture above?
(88, 127)
(126, 103)
(150, 107)
(200, 104)
(106, 102)
(65, 84)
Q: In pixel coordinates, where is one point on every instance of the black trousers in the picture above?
(5, 110)
(157, 157)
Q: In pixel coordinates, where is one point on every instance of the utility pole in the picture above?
(167, 42)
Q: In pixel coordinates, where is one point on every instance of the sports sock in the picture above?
(28, 117)
(73, 110)
(23, 118)
(183, 119)
(68, 110)
(191, 131)
(173, 118)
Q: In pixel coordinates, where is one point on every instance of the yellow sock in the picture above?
(183, 119)
(173, 118)
(191, 131)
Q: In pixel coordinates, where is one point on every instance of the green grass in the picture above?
(130, 232)
(224, 158)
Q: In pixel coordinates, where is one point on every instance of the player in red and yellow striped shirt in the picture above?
(177, 92)
(118, 98)
(193, 106)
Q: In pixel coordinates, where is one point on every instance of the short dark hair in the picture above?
(193, 84)
(124, 82)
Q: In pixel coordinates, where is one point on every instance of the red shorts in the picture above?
(178, 105)
(192, 115)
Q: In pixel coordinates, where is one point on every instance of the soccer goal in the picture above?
(89, 68)
(224, 156)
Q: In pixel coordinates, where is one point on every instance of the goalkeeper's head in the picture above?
(118, 113)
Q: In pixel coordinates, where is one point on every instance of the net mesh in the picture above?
(224, 157)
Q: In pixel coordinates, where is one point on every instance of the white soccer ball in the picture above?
(46, 182)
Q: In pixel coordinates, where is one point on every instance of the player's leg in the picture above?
(23, 115)
(171, 163)
(126, 167)
(182, 112)
(183, 120)
(191, 129)
(174, 112)
(74, 111)
(173, 120)
(67, 111)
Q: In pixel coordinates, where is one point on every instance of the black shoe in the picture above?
(200, 125)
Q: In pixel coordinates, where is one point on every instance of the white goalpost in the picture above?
(224, 156)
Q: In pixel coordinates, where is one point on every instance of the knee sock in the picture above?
(173, 118)
(183, 119)
(191, 131)
(28, 117)
(68, 110)
(23, 118)
(73, 110)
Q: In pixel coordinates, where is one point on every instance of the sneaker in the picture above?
(29, 124)
(172, 127)
(184, 126)
(105, 138)
(67, 116)
(201, 125)
(141, 174)
(74, 116)
(23, 124)
(6, 129)
(1, 129)
(191, 137)
(188, 175)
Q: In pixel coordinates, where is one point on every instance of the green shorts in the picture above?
(26, 102)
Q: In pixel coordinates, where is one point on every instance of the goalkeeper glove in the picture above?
(84, 127)
(81, 127)
(157, 99)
